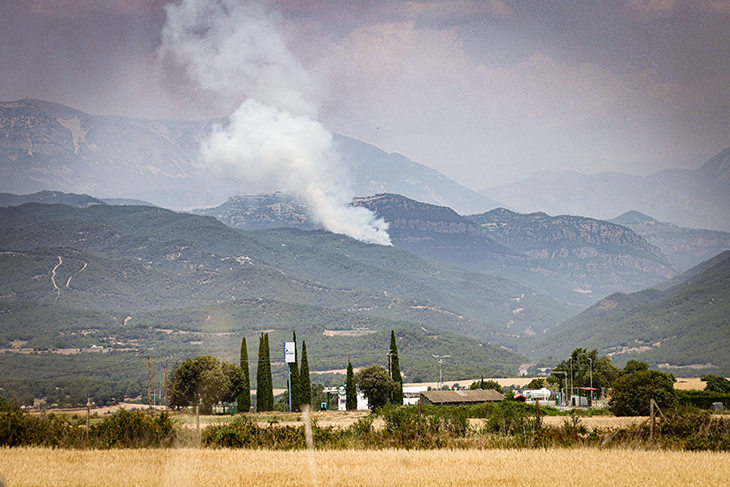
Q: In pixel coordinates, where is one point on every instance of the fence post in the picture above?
(651, 420)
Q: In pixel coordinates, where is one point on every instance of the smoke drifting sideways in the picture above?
(232, 48)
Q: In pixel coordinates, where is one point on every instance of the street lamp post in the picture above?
(440, 361)
(565, 374)
(590, 361)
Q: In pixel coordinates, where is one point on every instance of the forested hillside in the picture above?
(685, 328)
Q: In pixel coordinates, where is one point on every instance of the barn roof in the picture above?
(462, 397)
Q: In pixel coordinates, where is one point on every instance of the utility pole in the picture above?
(590, 361)
(440, 361)
(565, 376)
(166, 404)
(149, 358)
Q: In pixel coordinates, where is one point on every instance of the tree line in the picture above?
(205, 381)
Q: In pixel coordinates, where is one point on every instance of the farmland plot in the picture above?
(513, 468)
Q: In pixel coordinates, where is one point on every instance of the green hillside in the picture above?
(164, 259)
(73, 347)
(685, 328)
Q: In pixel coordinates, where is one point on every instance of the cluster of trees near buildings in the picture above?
(205, 381)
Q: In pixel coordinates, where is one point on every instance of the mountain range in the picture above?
(697, 198)
(572, 259)
(466, 275)
(45, 146)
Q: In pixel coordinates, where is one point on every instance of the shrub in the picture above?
(133, 429)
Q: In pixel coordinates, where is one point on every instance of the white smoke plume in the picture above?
(233, 48)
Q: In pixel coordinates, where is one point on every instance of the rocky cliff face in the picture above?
(408, 218)
(49, 146)
(600, 253)
(256, 212)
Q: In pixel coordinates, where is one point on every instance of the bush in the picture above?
(703, 399)
(133, 429)
(632, 392)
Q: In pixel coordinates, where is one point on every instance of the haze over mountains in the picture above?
(697, 198)
(463, 269)
(49, 146)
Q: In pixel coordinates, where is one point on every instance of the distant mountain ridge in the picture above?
(687, 247)
(47, 146)
(50, 197)
(570, 258)
(689, 198)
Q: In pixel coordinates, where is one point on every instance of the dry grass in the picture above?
(513, 468)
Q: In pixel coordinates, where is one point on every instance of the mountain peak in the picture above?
(633, 218)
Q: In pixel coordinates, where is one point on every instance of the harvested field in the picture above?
(513, 468)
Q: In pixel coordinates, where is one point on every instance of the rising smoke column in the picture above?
(232, 48)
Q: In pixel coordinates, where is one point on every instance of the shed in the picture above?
(458, 398)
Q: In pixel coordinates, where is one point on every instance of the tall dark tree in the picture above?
(244, 399)
(350, 389)
(264, 387)
(295, 402)
(395, 371)
(305, 386)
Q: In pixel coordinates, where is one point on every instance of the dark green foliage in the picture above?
(586, 368)
(717, 384)
(511, 418)
(537, 384)
(134, 429)
(487, 384)
(632, 392)
(124, 429)
(264, 385)
(205, 381)
(395, 374)
(305, 385)
(376, 384)
(244, 398)
(295, 401)
(703, 399)
(695, 431)
(351, 389)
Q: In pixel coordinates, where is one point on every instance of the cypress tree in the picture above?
(395, 371)
(305, 387)
(269, 381)
(264, 390)
(295, 402)
(244, 399)
(350, 388)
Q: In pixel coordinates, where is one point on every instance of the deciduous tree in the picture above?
(376, 384)
(632, 392)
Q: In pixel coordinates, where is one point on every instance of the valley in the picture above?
(94, 285)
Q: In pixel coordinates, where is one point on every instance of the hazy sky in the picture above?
(485, 91)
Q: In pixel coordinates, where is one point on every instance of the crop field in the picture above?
(382, 468)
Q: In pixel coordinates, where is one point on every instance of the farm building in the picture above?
(459, 398)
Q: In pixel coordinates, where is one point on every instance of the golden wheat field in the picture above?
(382, 468)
